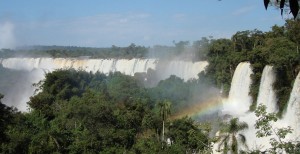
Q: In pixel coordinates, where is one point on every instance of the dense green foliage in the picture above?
(80, 112)
(5, 119)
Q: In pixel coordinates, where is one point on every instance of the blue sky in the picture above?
(102, 23)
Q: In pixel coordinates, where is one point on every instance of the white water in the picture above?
(292, 115)
(183, 69)
(128, 67)
(267, 97)
(267, 94)
(291, 118)
(239, 100)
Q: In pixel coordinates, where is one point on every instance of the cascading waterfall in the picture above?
(267, 97)
(125, 66)
(267, 94)
(292, 115)
(182, 69)
(239, 100)
(38, 66)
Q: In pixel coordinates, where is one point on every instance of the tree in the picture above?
(187, 133)
(201, 48)
(229, 134)
(265, 127)
(219, 47)
(165, 111)
(180, 46)
(5, 119)
(121, 87)
(277, 31)
(293, 31)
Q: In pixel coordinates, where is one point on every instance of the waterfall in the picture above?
(267, 94)
(182, 69)
(37, 66)
(292, 115)
(239, 100)
(268, 98)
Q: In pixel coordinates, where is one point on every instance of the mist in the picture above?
(17, 86)
(7, 36)
(182, 60)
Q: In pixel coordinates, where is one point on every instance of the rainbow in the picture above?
(199, 109)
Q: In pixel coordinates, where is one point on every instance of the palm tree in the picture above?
(164, 110)
(229, 135)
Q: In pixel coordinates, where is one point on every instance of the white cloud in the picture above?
(243, 10)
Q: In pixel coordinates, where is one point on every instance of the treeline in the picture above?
(80, 112)
(181, 49)
(132, 51)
